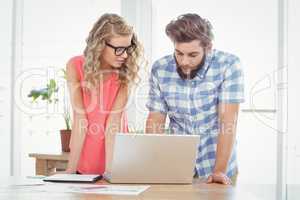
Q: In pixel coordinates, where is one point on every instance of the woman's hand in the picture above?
(67, 171)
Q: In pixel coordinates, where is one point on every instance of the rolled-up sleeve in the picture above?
(232, 87)
(156, 102)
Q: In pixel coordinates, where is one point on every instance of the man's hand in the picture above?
(219, 177)
(155, 122)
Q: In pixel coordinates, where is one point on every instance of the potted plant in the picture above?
(47, 94)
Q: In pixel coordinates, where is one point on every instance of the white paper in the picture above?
(23, 185)
(81, 188)
(24, 182)
(109, 189)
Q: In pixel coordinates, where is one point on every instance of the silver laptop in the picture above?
(153, 158)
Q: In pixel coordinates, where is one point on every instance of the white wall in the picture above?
(5, 90)
(139, 15)
(293, 93)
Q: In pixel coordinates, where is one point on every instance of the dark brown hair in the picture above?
(189, 27)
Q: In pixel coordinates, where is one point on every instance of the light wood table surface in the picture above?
(197, 191)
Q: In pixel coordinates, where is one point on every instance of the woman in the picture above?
(99, 84)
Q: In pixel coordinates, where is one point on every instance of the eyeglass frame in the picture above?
(132, 45)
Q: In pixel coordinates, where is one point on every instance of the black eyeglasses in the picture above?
(120, 50)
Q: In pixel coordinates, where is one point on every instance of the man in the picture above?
(200, 89)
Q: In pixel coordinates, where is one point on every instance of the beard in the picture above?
(192, 73)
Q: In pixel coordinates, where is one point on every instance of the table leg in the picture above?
(41, 167)
(51, 167)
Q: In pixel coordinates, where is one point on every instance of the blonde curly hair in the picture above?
(108, 26)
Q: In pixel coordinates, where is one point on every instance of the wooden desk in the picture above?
(197, 191)
(45, 164)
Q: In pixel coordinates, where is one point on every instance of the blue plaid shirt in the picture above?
(192, 104)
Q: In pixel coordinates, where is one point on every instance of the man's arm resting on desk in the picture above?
(228, 114)
(155, 122)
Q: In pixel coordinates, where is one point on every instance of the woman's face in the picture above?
(116, 52)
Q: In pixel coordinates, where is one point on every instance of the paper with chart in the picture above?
(81, 188)
(109, 189)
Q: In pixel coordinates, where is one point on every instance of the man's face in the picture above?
(189, 55)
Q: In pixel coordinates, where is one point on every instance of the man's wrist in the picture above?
(219, 170)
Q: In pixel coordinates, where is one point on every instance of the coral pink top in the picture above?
(97, 108)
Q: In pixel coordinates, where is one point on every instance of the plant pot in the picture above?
(65, 136)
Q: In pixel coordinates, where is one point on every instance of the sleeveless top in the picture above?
(97, 108)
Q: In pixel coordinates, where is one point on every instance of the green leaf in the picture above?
(52, 84)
